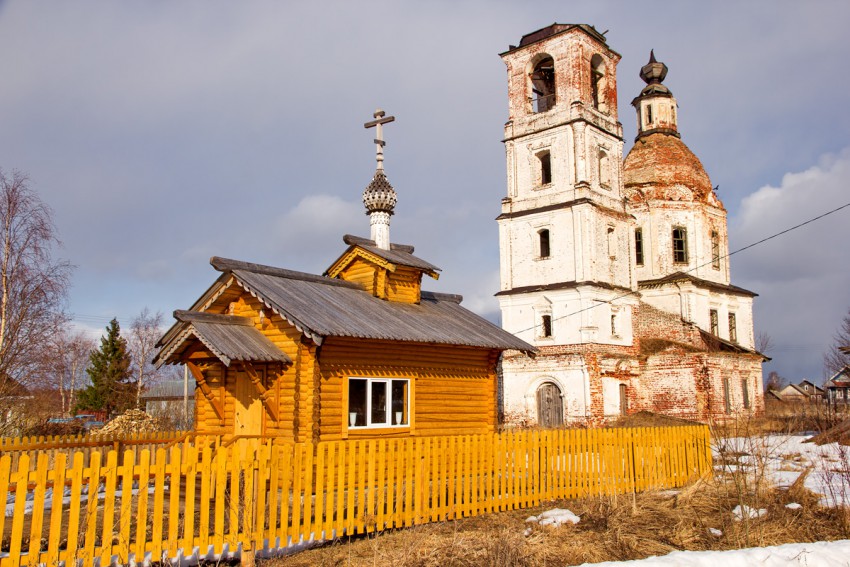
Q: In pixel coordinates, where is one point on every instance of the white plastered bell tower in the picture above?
(564, 232)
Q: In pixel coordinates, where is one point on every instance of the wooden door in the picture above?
(248, 419)
(550, 406)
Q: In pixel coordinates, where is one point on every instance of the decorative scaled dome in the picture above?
(379, 195)
(661, 167)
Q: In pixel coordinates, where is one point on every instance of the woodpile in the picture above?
(132, 421)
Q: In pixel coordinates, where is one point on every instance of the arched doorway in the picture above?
(550, 406)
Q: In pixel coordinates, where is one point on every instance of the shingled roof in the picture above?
(322, 307)
(229, 338)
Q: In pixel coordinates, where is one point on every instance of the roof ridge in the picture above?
(187, 316)
(453, 297)
(352, 240)
(228, 265)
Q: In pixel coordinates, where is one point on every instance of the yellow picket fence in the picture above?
(187, 500)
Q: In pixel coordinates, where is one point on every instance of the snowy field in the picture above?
(818, 554)
(782, 459)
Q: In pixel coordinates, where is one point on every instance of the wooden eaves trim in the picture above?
(265, 393)
(201, 381)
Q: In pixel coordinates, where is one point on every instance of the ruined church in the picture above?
(616, 270)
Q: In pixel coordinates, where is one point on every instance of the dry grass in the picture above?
(620, 528)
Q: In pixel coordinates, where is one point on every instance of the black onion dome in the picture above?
(379, 195)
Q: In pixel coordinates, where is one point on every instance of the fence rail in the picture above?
(87, 443)
(195, 501)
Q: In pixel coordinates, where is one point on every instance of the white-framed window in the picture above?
(378, 402)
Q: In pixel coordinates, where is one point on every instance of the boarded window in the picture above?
(550, 406)
(713, 322)
(543, 85)
(715, 250)
(733, 328)
(680, 245)
(745, 393)
(639, 246)
(374, 402)
(624, 400)
(544, 243)
(727, 402)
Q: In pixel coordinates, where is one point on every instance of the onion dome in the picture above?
(379, 195)
(662, 167)
(652, 74)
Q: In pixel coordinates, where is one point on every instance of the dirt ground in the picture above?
(627, 527)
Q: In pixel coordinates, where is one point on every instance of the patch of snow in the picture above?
(555, 517)
(821, 553)
(793, 506)
(715, 532)
(740, 512)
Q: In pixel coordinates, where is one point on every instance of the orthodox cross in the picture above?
(378, 123)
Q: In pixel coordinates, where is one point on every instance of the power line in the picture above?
(748, 246)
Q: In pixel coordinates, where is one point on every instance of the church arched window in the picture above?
(543, 85)
(598, 83)
(604, 169)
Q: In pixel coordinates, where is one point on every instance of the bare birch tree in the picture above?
(73, 351)
(835, 359)
(145, 330)
(33, 285)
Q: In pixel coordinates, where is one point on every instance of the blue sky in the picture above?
(163, 133)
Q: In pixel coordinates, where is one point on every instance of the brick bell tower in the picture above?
(564, 232)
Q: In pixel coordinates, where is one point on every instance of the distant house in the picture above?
(805, 391)
(838, 387)
(166, 399)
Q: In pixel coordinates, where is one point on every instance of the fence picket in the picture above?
(55, 530)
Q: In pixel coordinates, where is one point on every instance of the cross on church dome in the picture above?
(380, 197)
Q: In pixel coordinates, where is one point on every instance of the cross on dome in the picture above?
(380, 120)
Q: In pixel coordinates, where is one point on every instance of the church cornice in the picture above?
(565, 205)
(562, 285)
(536, 131)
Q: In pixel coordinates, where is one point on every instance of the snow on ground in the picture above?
(818, 554)
(783, 458)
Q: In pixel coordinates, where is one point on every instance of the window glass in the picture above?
(379, 402)
(357, 402)
(712, 316)
(399, 402)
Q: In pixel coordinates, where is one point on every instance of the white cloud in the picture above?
(802, 277)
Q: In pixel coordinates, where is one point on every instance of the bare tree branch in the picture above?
(145, 330)
(33, 286)
(834, 359)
